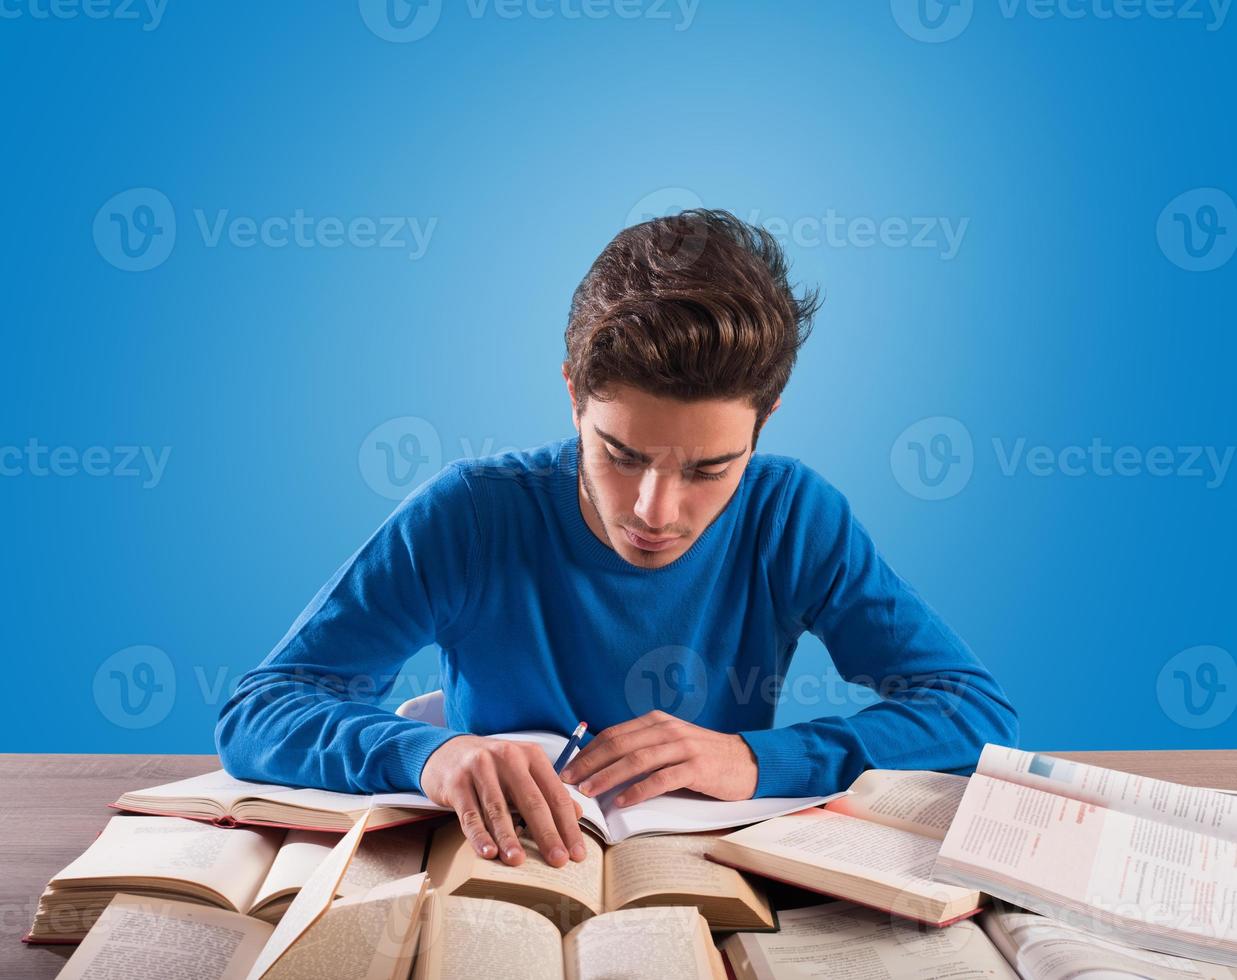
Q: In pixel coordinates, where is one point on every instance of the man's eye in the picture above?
(622, 462)
(701, 475)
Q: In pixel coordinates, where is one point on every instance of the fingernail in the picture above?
(621, 800)
(586, 788)
(577, 852)
(512, 853)
(486, 850)
(557, 854)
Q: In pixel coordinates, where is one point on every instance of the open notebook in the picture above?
(218, 797)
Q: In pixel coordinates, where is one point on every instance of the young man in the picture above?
(654, 547)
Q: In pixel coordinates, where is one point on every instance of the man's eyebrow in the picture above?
(690, 464)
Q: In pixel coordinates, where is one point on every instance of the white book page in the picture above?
(1045, 949)
(917, 801)
(142, 937)
(637, 943)
(474, 938)
(216, 786)
(1138, 869)
(1207, 811)
(311, 901)
(823, 839)
(841, 941)
(232, 862)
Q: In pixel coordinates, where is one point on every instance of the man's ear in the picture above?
(776, 404)
(571, 392)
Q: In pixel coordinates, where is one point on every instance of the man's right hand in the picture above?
(479, 778)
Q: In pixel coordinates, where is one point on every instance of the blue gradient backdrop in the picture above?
(1076, 306)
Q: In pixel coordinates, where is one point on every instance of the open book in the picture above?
(1142, 861)
(368, 936)
(218, 797)
(254, 871)
(874, 846)
(1040, 948)
(842, 941)
(642, 871)
(467, 938)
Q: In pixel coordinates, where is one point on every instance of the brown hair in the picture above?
(690, 306)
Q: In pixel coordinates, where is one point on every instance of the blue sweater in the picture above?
(540, 624)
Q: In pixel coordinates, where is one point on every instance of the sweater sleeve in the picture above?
(939, 704)
(309, 714)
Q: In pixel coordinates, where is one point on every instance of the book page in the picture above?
(670, 864)
(1207, 811)
(841, 941)
(685, 812)
(636, 944)
(300, 855)
(1045, 949)
(469, 938)
(914, 800)
(139, 938)
(217, 786)
(365, 937)
(1141, 870)
(552, 745)
(866, 850)
(229, 862)
(582, 881)
(311, 901)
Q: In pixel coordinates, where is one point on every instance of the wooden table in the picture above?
(53, 806)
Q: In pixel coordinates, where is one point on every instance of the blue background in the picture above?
(528, 142)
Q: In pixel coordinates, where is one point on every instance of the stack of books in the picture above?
(1032, 867)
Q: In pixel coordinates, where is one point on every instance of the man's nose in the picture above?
(658, 503)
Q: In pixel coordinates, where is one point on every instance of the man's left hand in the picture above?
(674, 753)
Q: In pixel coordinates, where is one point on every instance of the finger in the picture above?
(617, 746)
(464, 802)
(576, 769)
(565, 810)
(645, 759)
(496, 811)
(665, 780)
(536, 811)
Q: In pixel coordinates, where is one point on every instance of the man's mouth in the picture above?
(645, 544)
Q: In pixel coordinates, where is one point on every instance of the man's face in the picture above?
(656, 472)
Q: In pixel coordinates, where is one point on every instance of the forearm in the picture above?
(284, 727)
(937, 723)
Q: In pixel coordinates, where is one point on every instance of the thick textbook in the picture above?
(368, 936)
(874, 846)
(256, 871)
(660, 870)
(468, 938)
(218, 797)
(1141, 861)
